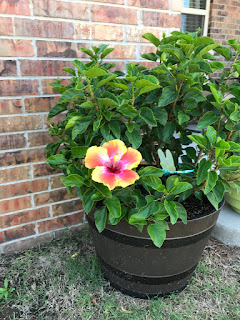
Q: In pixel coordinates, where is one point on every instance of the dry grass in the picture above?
(52, 285)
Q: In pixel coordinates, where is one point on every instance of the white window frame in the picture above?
(200, 12)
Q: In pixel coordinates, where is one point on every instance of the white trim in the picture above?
(198, 12)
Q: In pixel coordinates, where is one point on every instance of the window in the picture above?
(195, 14)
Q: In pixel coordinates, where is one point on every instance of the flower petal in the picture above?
(96, 156)
(116, 148)
(131, 159)
(102, 175)
(126, 177)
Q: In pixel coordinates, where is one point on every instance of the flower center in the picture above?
(114, 167)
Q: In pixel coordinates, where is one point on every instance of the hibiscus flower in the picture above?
(112, 164)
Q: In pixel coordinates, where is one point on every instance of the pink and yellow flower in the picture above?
(112, 164)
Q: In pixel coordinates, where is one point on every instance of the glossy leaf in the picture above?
(100, 217)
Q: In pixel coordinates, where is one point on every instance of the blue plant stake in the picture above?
(167, 163)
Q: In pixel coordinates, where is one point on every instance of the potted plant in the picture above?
(149, 226)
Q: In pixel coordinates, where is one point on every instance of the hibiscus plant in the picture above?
(114, 122)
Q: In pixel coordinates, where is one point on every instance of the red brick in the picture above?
(123, 52)
(148, 49)
(26, 243)
(8, 68)
(44, 67)
(19, 87)
(47, 88)
(24, 217)
(22, 188)
(19, 232)
(99, 32)
(57, 223)
(12, 106)
(120, 65)
(16, 48)
(12, 141)
(134, 34)
(67, 207)
(150, 4)
(52, 196)
(22, 156)
(14, 174)
(44, 28)
(20, 123)
(110, 1)
(160, 19)
(114, 14)
(6, 27)
(14, 204)
(43, 169)
(148, 64)
(40, 138)
(56, 182)
(61, 49)
(39, 104)
(61, 9)
(15, 7)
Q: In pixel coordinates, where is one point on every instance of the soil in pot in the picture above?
(132, 264)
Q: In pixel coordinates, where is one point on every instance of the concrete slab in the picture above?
(227, 229)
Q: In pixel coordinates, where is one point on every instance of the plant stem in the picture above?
(92, 95)
(174, 103)
(199, 157)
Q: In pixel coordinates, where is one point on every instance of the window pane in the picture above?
(196, 4)
(190, 22)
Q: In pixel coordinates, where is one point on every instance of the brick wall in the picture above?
(37, 39)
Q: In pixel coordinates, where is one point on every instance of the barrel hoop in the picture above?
(147, 243)
(146, 280)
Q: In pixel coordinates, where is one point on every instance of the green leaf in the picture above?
(212, 178)
(127, 110)
(104, 190)
(152, 181)
(106, 80)
(71, 122)
(100, 217)
(88, 52)
(219, 190)
(211, 134)
(115, 128)
(157, 232)
(195, 94)
(147, 115)
(222, 144)
(150, 37)
(114, 206)
(200, 51)
(80, 66)
(202, 171)
(59, 108)
(181, 187)
(72, 180)
(144, 212)
(203, 40)
(118, 85)
(70, 70)
(69, 95)
(173, 51)
(134, 138)
(182, 213)
(224, 51)
(149, 171)
(170, 207)
(87, 201)
(169, 95)
(150, 56)
(199, 139)
(168, 131)
(216, 93)
(206, 120)
(161, 115)
(182, 117)
(56, 159)
(234, 147)
(87, 105)
(96, 72)
(97, 196)
(79, 152)
(213, 199)
(80, 127)
(106, 52)
(107, 102)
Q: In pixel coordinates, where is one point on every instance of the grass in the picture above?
(62, 280)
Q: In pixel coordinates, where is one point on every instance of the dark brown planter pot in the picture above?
(132, 264)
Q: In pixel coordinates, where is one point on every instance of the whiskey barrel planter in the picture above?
(132, 264)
